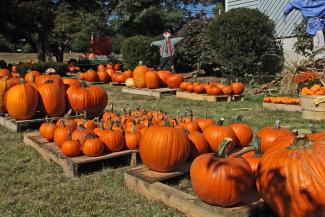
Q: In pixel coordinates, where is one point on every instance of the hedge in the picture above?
(60, 68)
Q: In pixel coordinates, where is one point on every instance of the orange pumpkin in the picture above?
(152, 79)
(139, 76)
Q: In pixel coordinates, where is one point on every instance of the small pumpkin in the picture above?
(92, 147)
(244, 132)
(71, 148)
(47, 130)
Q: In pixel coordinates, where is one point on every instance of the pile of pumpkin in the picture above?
(315, 90)
(282, 100)
(107, 73)
(213, 88)
(5, 73)
(48, 94)
(145, 77)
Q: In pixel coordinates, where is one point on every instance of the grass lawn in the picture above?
(24, 57)
(31, 187)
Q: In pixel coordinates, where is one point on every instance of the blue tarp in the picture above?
(313, 10)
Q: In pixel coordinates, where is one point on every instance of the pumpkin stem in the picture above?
(166, 122)
(67, 115)
(176, 122)
(257, 147)
(313, 129)
(239, 118)
(277, 124)
(222, 150)
(150, 122)
(129, 111)
(33, 79)
(124, 111)
(102, 124)
(46, 119)
(111, 125)
(85, 114)
(112, 107)
(221, 121)
(62, 123)
(134, 124)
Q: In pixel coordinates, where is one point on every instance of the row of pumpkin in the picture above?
(141, 77)
(315, 90)
(213, 88)
(281, 166)
(50, 95)
(282, 100)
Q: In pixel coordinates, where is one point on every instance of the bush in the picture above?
(244, 42)
(60, 68)
(137, 48)
(117, 41)
(80, 45)
(304, 44)
(194, 51)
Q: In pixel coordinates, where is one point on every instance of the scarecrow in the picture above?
(167, 50)
(314, 12)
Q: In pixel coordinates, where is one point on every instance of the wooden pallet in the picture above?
(20, 125)
(71, 165)
(148, 183)
(208, 98)
(94, 83)
(282, 107)
(116, 84)
(157, 93)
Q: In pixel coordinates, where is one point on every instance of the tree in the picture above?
(304, 43)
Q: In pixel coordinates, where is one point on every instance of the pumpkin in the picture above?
(68, 122)
(132, 139)
(244, 132)
(152, 79)
(291, 180)
(109, 66)
(198, 143)
(189, 88)
(214, 91)
(198, 88)
(127, 74)
(31, 76)
(184, 85)
(139, 75)
(226, 90)
(103, 76)
(253, 157)
(91, 76)
(92, 99)
(204, 122)
(164, 142)
(215, 134)
(71, 148)
(315, 135)
(101, 67)
(21, 101)
(52, 99)
(80, 134)
(5, 84)
(129, 82)
(112, 139)
(110, 72)
(4, 73)
(68, 82)
(163, 75)
(268, 134)
(92, 147)
(117, 67)
(47, 130)
(174, 80)
(61, 134)
(237, 87)
(219, 179)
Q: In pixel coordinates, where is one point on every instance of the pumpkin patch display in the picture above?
(219, 179)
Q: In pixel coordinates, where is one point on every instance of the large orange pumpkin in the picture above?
(174, 80)
(221, 180)
(291, 181)
(199, 144)
(237, 88)
(163, 148)
(92, 99)
(5, 84)
(21, 101)
(152, 79)
(139, 76)
(163, 75)
(31, 76)
(52, 99)
(68, 82)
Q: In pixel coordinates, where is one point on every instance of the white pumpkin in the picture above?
(129, 82)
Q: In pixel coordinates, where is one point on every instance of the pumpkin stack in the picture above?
(213, 88)
(282, 100)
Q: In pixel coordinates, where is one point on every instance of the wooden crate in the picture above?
(208, 98)
(71, 165)
(20, 125)
(157, 93)
(148, 183)
(282, 107)
(313, 107)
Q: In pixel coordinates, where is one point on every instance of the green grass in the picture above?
(31, 187)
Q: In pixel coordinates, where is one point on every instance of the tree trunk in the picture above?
(60, 54)
(40, 50)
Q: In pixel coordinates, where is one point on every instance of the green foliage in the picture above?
(194, 51)
(304, 44)
(244, 42)
(117, 43)
(60, 68)
(80, 45)
(137, 48)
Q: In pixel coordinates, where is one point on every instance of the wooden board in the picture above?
(208, 98)
(70, 165)
(157, 93)
(151, 176)
(187, 203)
(19, 125)
(313, 107)
(282, 107)
(94, 83)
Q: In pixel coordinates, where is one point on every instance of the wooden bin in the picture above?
(313, 107)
